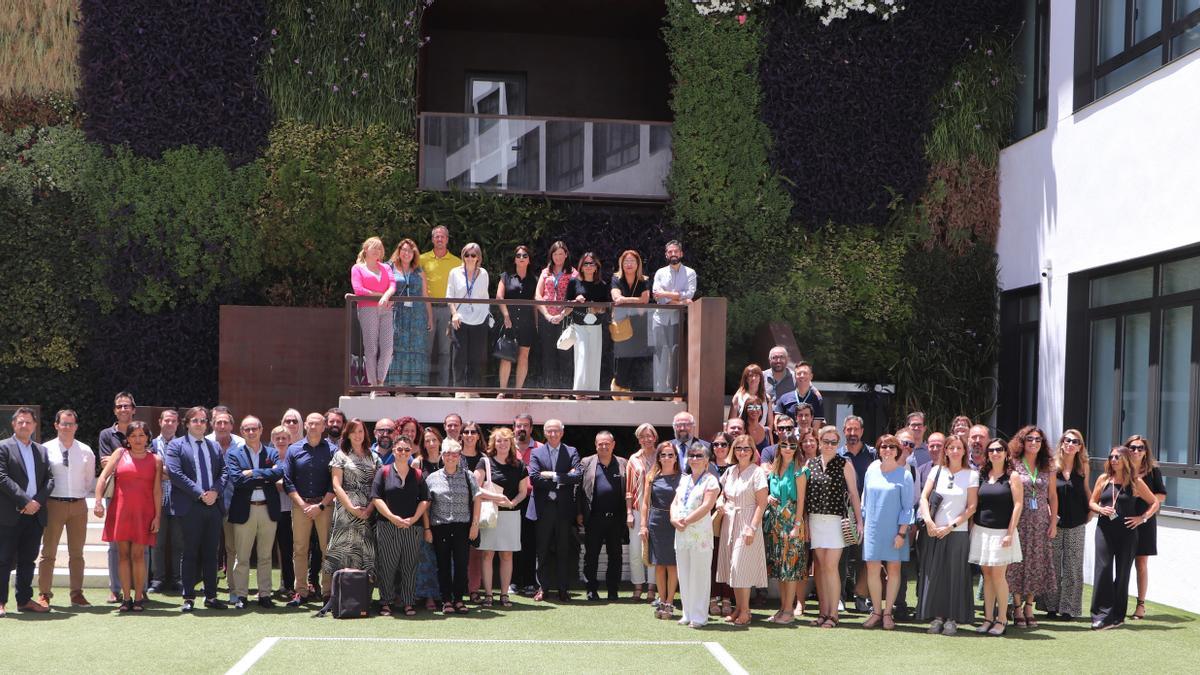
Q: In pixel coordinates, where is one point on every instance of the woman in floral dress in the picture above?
(783, 526)
(413, 319)
(1034, 575)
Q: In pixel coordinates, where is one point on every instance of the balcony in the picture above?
(550, 156)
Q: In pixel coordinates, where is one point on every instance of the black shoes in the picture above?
(613, 595)
(188, 605)
(593, 596)
(265, 602)
(564, 596)
(215, 603)
(240, 603)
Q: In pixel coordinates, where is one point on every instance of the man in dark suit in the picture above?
(554, 471)
(25, 485)
(253, 511)
(684, 425)
(197, 472)
(602, 515)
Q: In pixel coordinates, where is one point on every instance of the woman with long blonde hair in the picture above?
(370, 277)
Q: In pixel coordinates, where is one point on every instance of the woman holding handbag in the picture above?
(632, 355)
(518, 319)
(591, 323)
(552, 286)
(829, 501)
(948, 501)
(505, 481)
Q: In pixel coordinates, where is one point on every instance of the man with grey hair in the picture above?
(684, 425)
(778, 379)
(978, 438)
(554, 471)
(602, 514)
(436, 264)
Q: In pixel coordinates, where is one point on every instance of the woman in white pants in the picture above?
(635, 482)
(589, 322)
(691, 514)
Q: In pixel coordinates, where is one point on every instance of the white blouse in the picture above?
(457, 287)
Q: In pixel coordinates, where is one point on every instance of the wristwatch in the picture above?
(322, 505)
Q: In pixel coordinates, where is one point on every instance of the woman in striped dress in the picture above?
(743, 559)
(401, 499)
(351, 539)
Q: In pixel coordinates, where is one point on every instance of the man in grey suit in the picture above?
(25, 484)
(602, 514)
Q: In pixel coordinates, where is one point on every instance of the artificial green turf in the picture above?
(96, 640)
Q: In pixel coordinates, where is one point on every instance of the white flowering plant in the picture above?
(829, 10)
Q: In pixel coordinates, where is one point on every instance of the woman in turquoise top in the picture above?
(783, 523)
(887, 515)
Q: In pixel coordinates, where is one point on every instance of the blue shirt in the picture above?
(384, 460)
(861, 462)
(306, 469)
(194, 444)
(920, 456)
(30, 469)
(159, 447)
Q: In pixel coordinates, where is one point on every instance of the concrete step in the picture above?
(92, 578)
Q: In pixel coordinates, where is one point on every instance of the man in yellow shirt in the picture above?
(437, 265)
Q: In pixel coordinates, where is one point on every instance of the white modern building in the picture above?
(1100, 247)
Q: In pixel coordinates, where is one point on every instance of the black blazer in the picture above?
(14, 480)
(238, 460)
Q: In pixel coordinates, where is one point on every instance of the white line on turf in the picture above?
(252, 657)
(725, 658)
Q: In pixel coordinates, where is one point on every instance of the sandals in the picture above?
(816, 623)
(746, 622)
(889, 622)
(125, 606)
(139, 606)
(1000, 625)
(504, 601)
(1139, 612)
(985, 626)
(460, 607)
(447, 608)
(409, 610)
(1029, 620)
(385, 610)
(726, 607)
(637, 593)
(475, 597)
(830, 622)
(873, 620)
(714, 606)
(431, 604)
(487, 600)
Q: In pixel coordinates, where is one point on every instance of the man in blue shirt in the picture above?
(385, 435)
(804, 392)
(307, 481)
(860, 455)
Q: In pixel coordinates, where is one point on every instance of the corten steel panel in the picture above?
(706, 364)
(275, 358)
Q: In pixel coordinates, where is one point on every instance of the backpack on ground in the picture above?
(351, 596)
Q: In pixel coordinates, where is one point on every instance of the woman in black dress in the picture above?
(1146, 469)
(1115, 499)
(658, 535)
(631, 356)
(518, 319)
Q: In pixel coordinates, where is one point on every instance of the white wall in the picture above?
(1117, 180)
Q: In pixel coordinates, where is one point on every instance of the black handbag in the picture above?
(506, 347)
(935, 497)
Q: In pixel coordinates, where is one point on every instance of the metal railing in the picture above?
(559, 156)
(414, 366)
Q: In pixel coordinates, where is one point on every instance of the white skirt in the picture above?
(505, 536)
(986, 549)
(825, 531)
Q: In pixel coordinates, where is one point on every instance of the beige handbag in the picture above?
(621, 330)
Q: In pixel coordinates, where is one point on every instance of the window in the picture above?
(1133, 363)
(495, 94)
(614, 146)
(1020, 317)
(1119, 41)
(564, 155)
(1032, 52)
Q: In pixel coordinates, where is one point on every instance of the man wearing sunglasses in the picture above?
(385, 436)
(785, 427)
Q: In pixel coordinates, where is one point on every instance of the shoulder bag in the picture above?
(935, 497)
(506, 347)
(566, 339)
(489, 514)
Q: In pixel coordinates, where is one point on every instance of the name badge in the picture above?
(408, 304)
(1033, 504)
(552, 495)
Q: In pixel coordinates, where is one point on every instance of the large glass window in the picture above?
(1121, 41)
(1020, 316)
(1139, 327)
(1032, 50)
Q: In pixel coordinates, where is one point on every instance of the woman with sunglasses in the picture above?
(472, 454)
(401, 498)
(691, 514)
(944, 597)
(638, 467)
(1065, 601)
(294, 423)
(995, 541)
(454, 511)
(428, 460)
(743, 561)
(658, 534)
(1146, 469)
(518, 319)
(1034, 575)
(469, 321)
(758, 432)
(784, 528)
(828, 500)
(552, 286)
(751, 384)
(590, 323)
(721, 603)
(1115, 498)
(887, 516)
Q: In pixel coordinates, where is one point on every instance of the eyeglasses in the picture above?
(470, 432)
(470, 255)
(742, 448)
(1033, 439)
(1113, 458)
(589, 264)
(666, 455)
(521, 255)
(908, 444)
(700, 456)
(1138, 448)
(785, 429)
(291, 421)
(720, 444)
(889, 446)
(1001, 449)
(404, 449)
(754, 408)
(829, 441)
(786, 446)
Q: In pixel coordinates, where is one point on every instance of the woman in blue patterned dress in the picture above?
(414, 319)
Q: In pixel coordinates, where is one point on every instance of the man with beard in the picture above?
(674, 284)
(778, 378)
(860, 455)
(385, 434)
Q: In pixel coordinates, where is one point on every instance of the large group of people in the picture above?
(446, 517)
(421, 321)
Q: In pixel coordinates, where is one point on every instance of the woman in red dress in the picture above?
(132, 521)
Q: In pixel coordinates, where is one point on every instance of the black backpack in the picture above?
(351, 597)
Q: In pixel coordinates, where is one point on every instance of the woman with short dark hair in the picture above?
(887, 515)
(132, 521)
(401, 498)
(454, 512)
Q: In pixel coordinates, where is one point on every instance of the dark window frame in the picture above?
(1040, 70)
(1077, 391)
(1088, 70)
(1010, 414)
